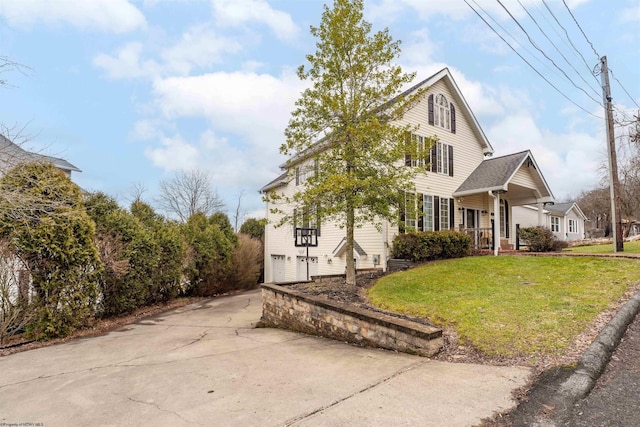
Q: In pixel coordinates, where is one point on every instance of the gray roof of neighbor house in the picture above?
(11, 153)
(494, 174)
(564, 208)
(444, 75)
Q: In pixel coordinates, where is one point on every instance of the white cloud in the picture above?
(630, 14)
(117, 16)
(126, 63)
(569, 160)
(233, 13)
(250, 104)
(199, 46)
(174, 154)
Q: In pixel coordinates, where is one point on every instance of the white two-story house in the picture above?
(459, 187)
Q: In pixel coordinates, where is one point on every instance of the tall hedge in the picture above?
(210, 252)
(43, 216)
(170, 252)
(128, 251)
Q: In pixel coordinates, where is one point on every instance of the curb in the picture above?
(594, 361)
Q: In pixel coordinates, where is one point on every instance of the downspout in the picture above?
(496, 221)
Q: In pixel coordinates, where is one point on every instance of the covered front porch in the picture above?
(486, 198)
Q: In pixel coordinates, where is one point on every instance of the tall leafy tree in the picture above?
(350, 107)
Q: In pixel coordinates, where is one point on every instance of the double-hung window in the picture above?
(425, 212)
(555, 224)
(573, 226)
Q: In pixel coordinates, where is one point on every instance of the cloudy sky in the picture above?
(131, 91)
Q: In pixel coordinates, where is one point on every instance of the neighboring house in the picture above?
(566, 220)
(12, 154)
(458, 188)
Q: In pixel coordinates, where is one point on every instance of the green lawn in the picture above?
(629, 247)
(510, 306)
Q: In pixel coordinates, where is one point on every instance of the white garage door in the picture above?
(301, 271)
(277, 268)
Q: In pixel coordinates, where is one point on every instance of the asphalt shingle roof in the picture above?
(493, 173)
(561, 208)
(12, 153)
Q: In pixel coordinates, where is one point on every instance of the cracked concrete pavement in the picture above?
(206, 364)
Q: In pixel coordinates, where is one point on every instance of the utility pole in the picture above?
(614, 184)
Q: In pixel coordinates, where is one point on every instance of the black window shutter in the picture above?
(318, 219)
(298, 175)
(506, 218)
(434, 157)
(402, 199)
(428, 160)
(431, 112)
(453, 118)
(450, 160)
(436, 213)
(407, 149)
(420, 212)
(452, 216)
(295, 220)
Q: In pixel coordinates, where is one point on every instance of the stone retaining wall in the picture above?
(290, 309)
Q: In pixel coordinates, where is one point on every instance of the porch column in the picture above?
(540, 216)
(496, 223)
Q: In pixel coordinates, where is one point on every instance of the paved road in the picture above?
(206, 364)
(615, 398)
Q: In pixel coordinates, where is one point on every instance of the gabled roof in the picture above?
(280, 181)
(343, 245)
(563, 209)
(461, 102)
(495, 174)
(11, 153)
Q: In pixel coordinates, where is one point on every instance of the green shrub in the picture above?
(210, 251)
(128, 252)
(540, 239)
(431, 245)
(43, 216)
(169, 253)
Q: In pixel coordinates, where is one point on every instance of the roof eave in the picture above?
(479, 191)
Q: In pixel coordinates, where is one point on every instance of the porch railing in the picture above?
(481, 238)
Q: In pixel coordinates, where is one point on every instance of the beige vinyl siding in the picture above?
(525, 178)
(280, 241)
(467, 151)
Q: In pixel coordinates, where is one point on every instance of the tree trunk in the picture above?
(351, 267)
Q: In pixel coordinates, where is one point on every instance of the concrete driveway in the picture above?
(206, 364)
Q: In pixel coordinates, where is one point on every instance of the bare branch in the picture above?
(187, 193)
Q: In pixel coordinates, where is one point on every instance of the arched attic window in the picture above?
(442, 113)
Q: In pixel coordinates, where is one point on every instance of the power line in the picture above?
(567, 35)
(547, 56)
(528, 63)
(581, 30)
(623, 88)
(557, 48)
(512, 37)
